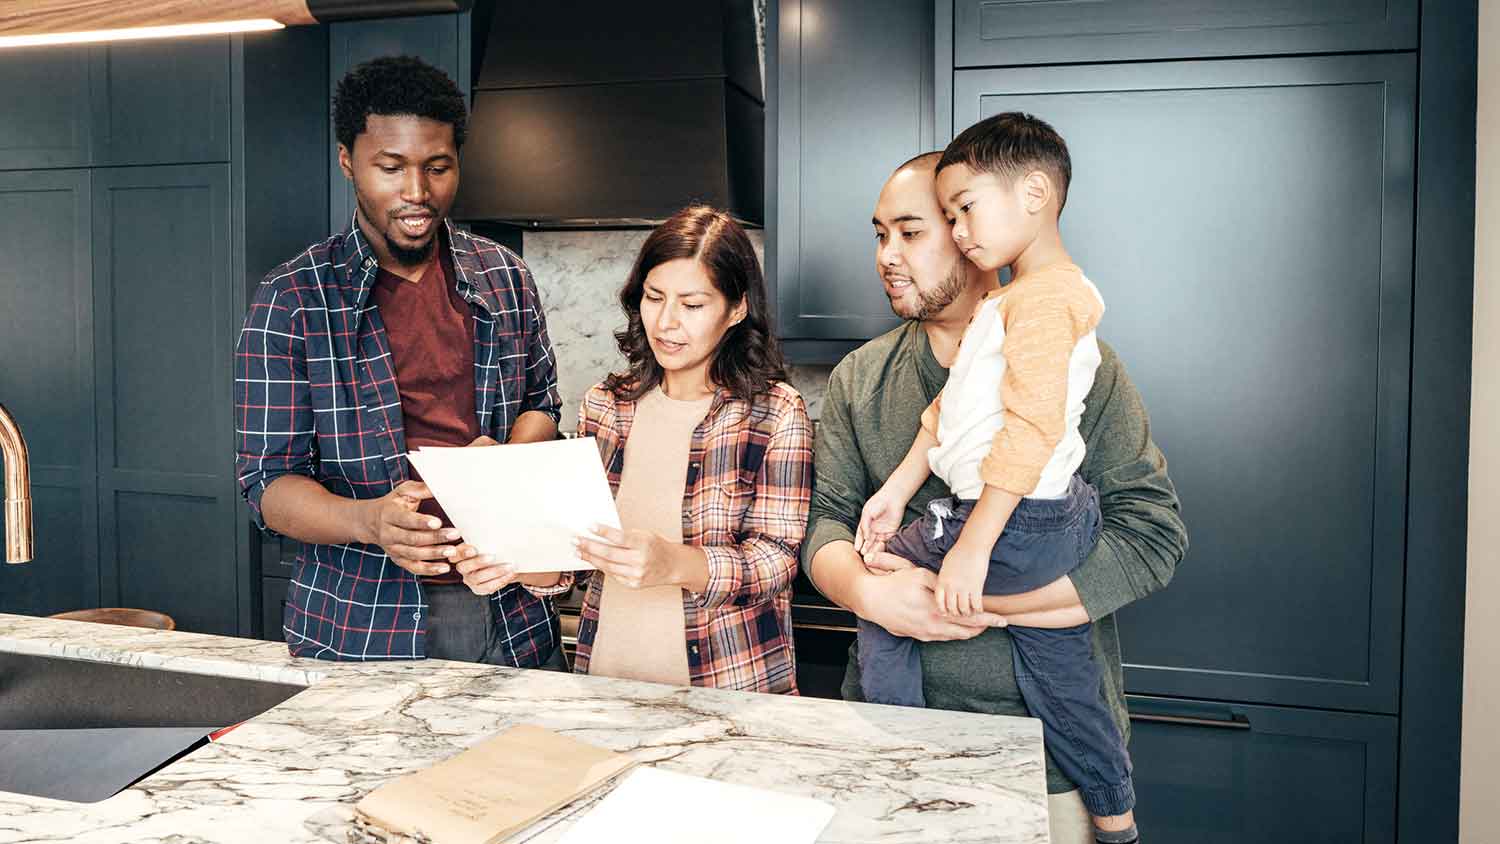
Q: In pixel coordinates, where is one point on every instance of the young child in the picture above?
(1004, 436)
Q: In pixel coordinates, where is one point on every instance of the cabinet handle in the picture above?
(832, 628)
(1231, 721)
(1189, 713)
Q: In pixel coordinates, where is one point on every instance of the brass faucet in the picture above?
(18, 541)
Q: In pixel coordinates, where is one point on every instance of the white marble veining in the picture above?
(292, 773)
(579, 274)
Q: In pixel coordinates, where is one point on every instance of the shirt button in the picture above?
(416, 616)
(693, 649)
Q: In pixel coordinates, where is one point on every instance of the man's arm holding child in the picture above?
(901, 601)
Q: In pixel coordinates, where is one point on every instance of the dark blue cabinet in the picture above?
(149, 102)
(46, 366)
(1222, 772)
(850, 97)
(122, 290)
(161, 102)
(165, 427)
(1013, 32)
(44, 100)
(1249, 224)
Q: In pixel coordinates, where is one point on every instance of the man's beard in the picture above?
(405, 257)
(931, 302)
(411, 257)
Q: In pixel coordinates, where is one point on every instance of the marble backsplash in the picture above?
(579, 274)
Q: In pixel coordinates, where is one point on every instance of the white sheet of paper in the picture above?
(663, 807)
(523, 503)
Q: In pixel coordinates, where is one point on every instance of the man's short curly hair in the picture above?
(397, 85)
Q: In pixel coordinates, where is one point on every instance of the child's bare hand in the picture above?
(878, 522)
(960, 586)
(871, 549)
(884, 562)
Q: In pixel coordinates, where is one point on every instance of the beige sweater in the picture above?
(642, 632)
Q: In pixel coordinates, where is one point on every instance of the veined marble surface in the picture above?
(294, 772)
(579, 275)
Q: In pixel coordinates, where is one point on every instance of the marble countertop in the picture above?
(294, 772)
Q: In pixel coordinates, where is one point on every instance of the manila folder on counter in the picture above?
(492, 790)
(522, 503)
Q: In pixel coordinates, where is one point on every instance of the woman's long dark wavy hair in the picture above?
(748, 361)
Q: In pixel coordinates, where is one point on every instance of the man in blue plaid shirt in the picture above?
(402, 331)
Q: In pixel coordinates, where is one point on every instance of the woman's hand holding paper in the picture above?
(641, 559)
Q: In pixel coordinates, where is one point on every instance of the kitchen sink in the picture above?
(78, 730)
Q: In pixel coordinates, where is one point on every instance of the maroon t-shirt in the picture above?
(431, 333)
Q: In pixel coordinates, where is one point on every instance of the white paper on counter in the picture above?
(522, 503)
(663, 807)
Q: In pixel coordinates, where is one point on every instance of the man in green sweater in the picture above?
(872, 411)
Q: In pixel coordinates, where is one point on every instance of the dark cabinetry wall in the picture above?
(122, 104)
(1250, 226)
(46, 379)
(1249, 223)
(163, 310)
(46, 102)
(119, 301)
(1254, 225)
(161, 103)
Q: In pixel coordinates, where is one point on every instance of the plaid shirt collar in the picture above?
(355, 266)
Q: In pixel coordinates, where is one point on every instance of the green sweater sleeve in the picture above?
(1144, 536)
(840, 484)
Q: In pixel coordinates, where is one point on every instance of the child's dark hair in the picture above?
(397, 85)
(1012, 144)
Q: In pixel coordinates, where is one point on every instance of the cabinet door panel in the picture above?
(1213, 772)
(167, 489)
(172, 558)
(1250, 227)
(44, 98)
(845, 117)
(162, 102)
(1013, 32)
(46, 382)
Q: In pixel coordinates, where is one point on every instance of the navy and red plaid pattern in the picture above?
(745, 504)
(316, 395)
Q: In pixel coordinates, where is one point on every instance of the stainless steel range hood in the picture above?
(602, 113)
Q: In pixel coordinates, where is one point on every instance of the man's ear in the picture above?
(346, 162)
(1037, 190)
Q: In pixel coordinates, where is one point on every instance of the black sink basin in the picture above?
(78, 730)
(43, 692)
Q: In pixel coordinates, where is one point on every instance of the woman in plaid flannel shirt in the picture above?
(698, 593)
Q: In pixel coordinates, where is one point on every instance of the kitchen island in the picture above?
(294, 772)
